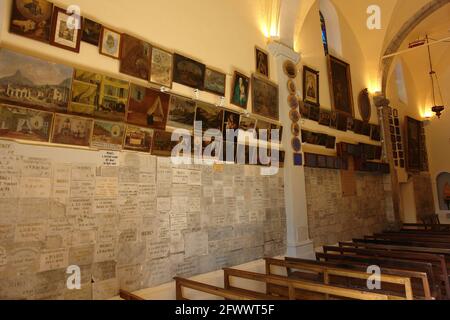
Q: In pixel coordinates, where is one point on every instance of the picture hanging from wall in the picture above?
(163, 144)
(110, 43)
(247, 127)
(265, 98)
(311, 86)
(107, 135)
(413, 142)
(181, 112)
(32, 82)
(32, 19)
(365, 108)
(85, 92)
(314, 113)
(230, 121)
(161, 67)
(341, 86)
(357, 126)
(66, 34)
(135, 56)
(375, 134)
(304, 109)
(188, 72)
(261, 127)
(209, 115)
(443, 189)
(215, 82)
(148, 107)
(325, 118)
(91, 32)
(262, 62)
(240, 90)
(72, 130)
(25, 124)
(333, 120)
(366, 129)
(350, 124)
(294, 115)
(138, 139)
(342, 122)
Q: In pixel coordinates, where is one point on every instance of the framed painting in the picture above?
(342, 122)
(91, 32)
(314, 113)
(25, 124)
(443, 189)
(294, 115)
(210, 116)
(293, 101)
(262, 62)
(365, 129)
(35, 83)
(188, 72)
(265, 98)
(163, 144)
(215, 82)
(32, 19)
(181, 112)
(161, 67)
(357, 126)
(331, 142)
(333, 120)
(325, 118)
(247, 128)
(135, 56)
(304, 109)
(413, 142)
(240, 90)
(341, 86)
(375, 133)
(138, 139)
(72, 130)
(107, 135)
(261, 127)
(65, 33)
(311, 86)
(85, 92)
(110, 41)
(230, 121)
(148, 107)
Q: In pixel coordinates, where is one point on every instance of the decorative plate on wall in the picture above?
(296, 144)
(294, 115)
(293, 101)
(290, 69)
(365, 108)
(292, 88)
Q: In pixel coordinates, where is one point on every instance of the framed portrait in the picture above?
(413, 143)
(135, 56)
(138, 139)
(25, 124)
(91, 32)
(314, 113)
(32, 19)
(161, 67)
(215, 82)
(262, 62)
(163, 144)
(188, 72)
(65, 33)
(311, 86)
(107, 135)
(240, 90)
(265, 98)
(72, 130)
(231, 121)
(325, 118)
(148, 107)
(247, 128)
(25, 81)
(110, 41)
(181, 112)
(341, 86)
(209, 115)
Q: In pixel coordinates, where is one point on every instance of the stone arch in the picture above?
(401, 35)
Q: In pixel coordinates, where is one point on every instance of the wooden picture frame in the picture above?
(413, 142)
(341, 86)
(61, 35)
(262, 62)
(132, 51)
(215, 82)
(240, 91)
(161, 67)
(265, 100)
(114, 43)
(188, 72)
(311, 86)
(92, 31)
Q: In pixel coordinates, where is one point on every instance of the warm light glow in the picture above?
(374, 87)
(271, 21)
(427, 114)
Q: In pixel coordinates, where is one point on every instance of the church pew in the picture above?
(421, 287)
(228, 294)
(398, 247)
(428, 239)
(438, 261)
(297, 287)
(326, 274)
(419, 235)
(401, 242)
(421, 226)
(125, 295)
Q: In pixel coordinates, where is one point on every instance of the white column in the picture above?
(298, 242)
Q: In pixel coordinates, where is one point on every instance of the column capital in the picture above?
(278, 49)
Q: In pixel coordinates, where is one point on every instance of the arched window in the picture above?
(324, 33)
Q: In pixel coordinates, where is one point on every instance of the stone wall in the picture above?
(423, 195)
(332, 217)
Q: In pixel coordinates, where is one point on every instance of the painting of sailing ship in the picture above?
(34, 83)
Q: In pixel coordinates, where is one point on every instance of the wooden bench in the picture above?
(294, 286)
(408, 243)
(125, 295)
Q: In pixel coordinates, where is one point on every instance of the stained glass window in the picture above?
(324, 33)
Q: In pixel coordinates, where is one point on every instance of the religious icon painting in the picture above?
(262, 62)
(110, 43)
(265, 98)
(188, 72)
(311, 86)
(215, 82)
(240, 90)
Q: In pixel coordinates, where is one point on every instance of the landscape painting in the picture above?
(138, 139)
(107, 135)
(25, 124)
(32, 19)
(161, 67)
(181, 112)
(71, 130)
(32, 82)
(265, 98)
(135, 56)
(148, 107)
(215, 82)
(188, 72)
(209, 115)
(163, 144)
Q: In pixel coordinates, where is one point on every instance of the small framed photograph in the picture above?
(262, 62)
(91, 32)
(66, 31)
(110, 43)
